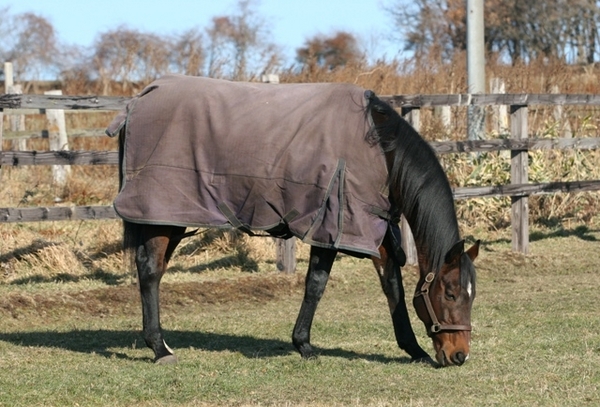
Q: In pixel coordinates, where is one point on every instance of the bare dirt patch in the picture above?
(122, 299)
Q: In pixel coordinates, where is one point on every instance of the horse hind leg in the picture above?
(151, 257)
(321, 261)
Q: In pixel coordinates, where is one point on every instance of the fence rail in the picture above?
(16, 158)
(519, 144)
(67, 102)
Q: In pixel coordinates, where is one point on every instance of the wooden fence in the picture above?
(519, 144)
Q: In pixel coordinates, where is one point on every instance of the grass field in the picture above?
(70, 322)
(70, 318)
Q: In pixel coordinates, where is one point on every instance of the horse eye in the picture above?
(449, 296)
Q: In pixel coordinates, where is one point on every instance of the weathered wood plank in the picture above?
(8, 101)
(57, 137)
(519, 190)
(468, 146)
(441, 147)
(399, 101)
(107, 212)
(16, 158)
(71, 133)
(64, 102)
(519, 175)
(11, 215)
(286, 255)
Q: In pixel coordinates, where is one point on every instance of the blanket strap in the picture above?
(393, 218)
(280, 230)
(235, 222)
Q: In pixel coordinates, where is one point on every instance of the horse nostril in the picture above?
(459, 358)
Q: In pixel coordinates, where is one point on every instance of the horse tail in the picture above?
(131, 239)
(131, 231)
(122, 133)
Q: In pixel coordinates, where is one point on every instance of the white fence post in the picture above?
(57, 134)
(500, 112)
(559, 116)
(17, 121)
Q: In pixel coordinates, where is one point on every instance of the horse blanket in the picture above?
(202, 152)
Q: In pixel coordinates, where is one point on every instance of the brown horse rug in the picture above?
(288, 159)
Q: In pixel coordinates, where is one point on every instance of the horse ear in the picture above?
(378, 116)
(455, 252)
(473, 252)
(376, 107)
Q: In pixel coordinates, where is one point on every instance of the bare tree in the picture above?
(29, 42)
(187, 53)
(129, 56)
(430, 26)
(239, 47)
(329, 51)
(562, 29)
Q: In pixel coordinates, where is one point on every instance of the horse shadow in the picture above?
(100, 342)
(582, 232)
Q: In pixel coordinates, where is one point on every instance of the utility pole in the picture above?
(475, 67)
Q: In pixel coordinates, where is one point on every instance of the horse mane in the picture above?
(418, 184)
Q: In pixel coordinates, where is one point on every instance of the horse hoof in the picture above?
(166, 360)
(310, 356)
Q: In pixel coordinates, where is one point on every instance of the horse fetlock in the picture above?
(164, 354)
(307, 352)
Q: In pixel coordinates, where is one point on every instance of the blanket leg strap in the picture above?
(280, 231)
(235, 222)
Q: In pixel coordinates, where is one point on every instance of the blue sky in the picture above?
(290, 22)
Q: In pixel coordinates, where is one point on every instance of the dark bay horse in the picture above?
(330, 164)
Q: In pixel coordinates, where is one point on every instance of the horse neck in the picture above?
(426, 200)
(433, 239)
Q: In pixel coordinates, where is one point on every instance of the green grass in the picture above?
(536, 339)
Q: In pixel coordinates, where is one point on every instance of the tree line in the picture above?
(239, 46)
(515, 30)
(236, 46)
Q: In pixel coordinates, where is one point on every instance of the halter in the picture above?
(436, 327)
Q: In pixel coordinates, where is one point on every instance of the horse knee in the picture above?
(316, 283)
(150, 267)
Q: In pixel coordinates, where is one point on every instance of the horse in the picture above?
(330, 164)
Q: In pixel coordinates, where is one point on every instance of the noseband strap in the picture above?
(436, 325)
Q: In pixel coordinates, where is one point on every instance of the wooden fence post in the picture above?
(286, 255)
(57, 134)
(17, 121)
(413, 116)
(444, 113)
(559, 116)
(500, 112)
(8, 77)
(285, 248)
(519, 175)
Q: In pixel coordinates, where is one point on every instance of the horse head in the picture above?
(443, 302)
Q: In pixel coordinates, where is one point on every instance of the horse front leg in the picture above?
(321, 261)
(151, 259)
(388, 270)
